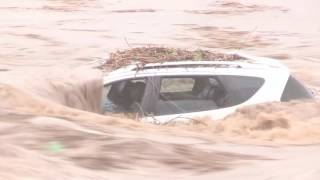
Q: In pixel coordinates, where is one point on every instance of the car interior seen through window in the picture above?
(202, 93)
(124, 96)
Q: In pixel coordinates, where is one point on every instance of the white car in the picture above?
(184, 90)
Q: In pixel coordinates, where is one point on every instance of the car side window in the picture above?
(239, 89)
(201, 93)
(185, 94)
(294, 90)
(124, 96)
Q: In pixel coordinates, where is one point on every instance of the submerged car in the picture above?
(184, 90)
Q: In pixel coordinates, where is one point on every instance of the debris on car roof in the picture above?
(145, 55)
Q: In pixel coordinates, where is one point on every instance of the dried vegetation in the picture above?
(144, 55)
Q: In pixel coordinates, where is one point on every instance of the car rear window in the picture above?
(294, 90)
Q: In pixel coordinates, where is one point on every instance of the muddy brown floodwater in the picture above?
(50, 94)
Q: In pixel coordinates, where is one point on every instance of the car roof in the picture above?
(243, 63)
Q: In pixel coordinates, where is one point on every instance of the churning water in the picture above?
(50, 95)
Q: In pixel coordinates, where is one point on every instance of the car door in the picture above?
(181, 98)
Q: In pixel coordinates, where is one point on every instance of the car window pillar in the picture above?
(150, 98)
